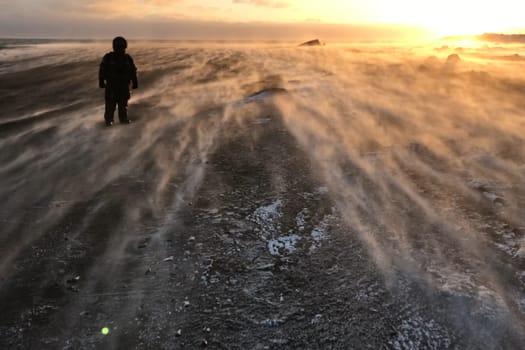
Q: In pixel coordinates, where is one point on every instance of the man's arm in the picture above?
(134, 80)
(102, 74)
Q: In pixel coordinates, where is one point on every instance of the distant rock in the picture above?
(434, 64)
(452, 63)
(453, 59)
(489, 37)
(503, 38)
(442, 48)
(314, 42)
(515, 57)
(431, 63)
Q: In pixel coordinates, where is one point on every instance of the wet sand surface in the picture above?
(262, 198)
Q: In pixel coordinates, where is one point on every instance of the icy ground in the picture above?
(273, 197)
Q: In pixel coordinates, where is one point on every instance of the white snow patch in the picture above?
(511, 245)
(458, 282)
(478, 184)
(273, 322)
(287, 243)
(322, 190)
(301, 219)
(452, 281)
(504, 248)
(521, 305)
(320, 232)
(269, 212)
(464, 284)
(260, 121)
(494, 198)
(417, 333)
(267, 217)
(520, 253)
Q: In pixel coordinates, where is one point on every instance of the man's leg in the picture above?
(123, 110)
(111, 104)
(123, 96)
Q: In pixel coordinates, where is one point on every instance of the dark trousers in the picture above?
(116, 97)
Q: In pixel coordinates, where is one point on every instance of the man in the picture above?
(117, 72)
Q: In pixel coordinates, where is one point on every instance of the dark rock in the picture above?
(73, 280)
(431, 63)
(503, 38)
(515, 57)
(453, 59)
(314, 42)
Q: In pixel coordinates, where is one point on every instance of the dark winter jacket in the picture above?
(117, 72)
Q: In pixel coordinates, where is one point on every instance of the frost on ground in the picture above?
(267, 218)
(417, 333)
(285, 243)
(302, 218)
(424, 249)
(320, 232)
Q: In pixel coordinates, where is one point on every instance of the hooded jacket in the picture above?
(117, 71)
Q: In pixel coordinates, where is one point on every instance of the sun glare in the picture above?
(462, 25)
(452, 17)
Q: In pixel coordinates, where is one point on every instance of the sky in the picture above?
(227, 19)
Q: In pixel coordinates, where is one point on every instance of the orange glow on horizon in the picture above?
(439, 17)
(444, 17)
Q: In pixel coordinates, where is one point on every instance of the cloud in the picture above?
(59, 10)
(189, 29)
(132, 9)
(179, 19)
(263, 3)
(161, 2)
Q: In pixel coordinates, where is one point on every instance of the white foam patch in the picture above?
(284, 244)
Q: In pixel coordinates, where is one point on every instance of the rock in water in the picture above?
(314, 42)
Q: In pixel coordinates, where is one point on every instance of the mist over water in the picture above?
(422, 152)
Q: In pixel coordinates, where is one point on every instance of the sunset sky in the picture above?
(184, 18)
